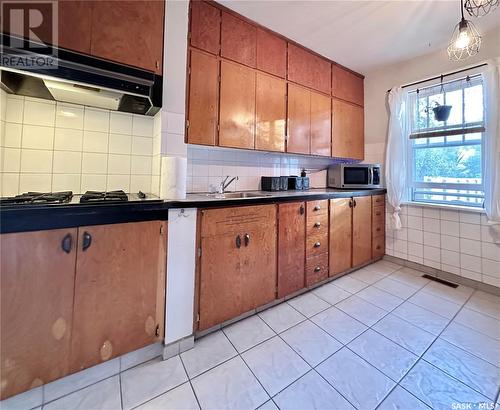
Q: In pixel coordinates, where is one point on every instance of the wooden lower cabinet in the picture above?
(36, 283)
(378, 226)
(291, 247)
(237, 268)
(340, 235)
(361, 230)
(73, 298)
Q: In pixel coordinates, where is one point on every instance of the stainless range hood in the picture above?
(82, 79)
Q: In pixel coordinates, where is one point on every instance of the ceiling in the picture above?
(363, 35)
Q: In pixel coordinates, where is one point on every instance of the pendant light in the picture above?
(479, 8)
(465, 41)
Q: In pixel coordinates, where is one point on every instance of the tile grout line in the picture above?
(189, 381)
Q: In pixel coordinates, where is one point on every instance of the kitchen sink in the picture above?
(237, 195)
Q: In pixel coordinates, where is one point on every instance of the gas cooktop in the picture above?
(38, 198)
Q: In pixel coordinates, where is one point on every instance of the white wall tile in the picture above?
(69, 116)
(67, 162)
(142, 146)
(415, 211)
(490, 233)
(36, 161)
(415, 249)
(415, 222)
(450, 268)
(432, 213)
(432, 253)
(93, 182)
(11, 159)
(450, 258)
(471, 263)
(12, 135)
(37, 137)
(415, 235)
(35, 182)
(470, 247)
(39, 113)
(95, 141)
(432, 239)
(470, 231)
(142, 126)
(116, 182)
(141, 165)
(450, 228)
(120, 123)
(432, 263)
(9, 184)
(471, 274)
(140, 183)
(68, 139)
(93, 163)
(120, 144)
(431, 225)
(491, 280)
(119, 164)
(96, 120)
(491, 268)
(449, 215)
(491, 251)
(470, 217)
(66, 182)
(14, 110)
(451, 243)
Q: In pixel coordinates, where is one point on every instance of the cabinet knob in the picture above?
(317, 224)
(317, 269)
(247, 239)
(67, 243)
(378, 229)
(317, 244)
(354, 203)
(87, 241)
(350, 204)
(378, 247)
(238, 241)
(302, 210)
(317, 208)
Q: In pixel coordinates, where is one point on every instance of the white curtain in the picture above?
(395, 159)
(491, 78)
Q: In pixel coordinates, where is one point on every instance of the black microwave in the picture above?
(354, 176)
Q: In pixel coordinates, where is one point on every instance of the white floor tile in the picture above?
(359, 382)
(269, 405)
(331, 293)
(308, 304)
(229, 386)
(338, 324)
(396, 288)
(485, 324)
(400, 399)
(410, 277)
(404, 334)
(485, 303)
(470, 370)
(208, 351)
(281, 317)
(361, 310)
(385, 355)
(104, 395)
(148, 380)
(367, 275)
(474, 342)
(275, 364)
(311, 391)
(380, 298)
(248, 332)
(423, 318)
(457, 295)
(437, 389)
(311, 342)
(27, 400)
(435, 304)
(180, 398)
(384, 267)
(349, 284)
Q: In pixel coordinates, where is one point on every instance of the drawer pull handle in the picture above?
(317, 224)
(87, 241)
(378, 247)
(247, 239)
(317, 269)
(66, 243)
(317, 208)
(317, 244)
(351, 204)
(354, 203)
(378, 214)
(302, 210)
(378, 229)
(238, 241)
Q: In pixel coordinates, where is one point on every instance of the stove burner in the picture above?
(98, 196)
(39, 197)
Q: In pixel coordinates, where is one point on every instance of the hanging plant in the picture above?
(441, 112)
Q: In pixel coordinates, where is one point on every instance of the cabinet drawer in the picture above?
(378, 200)
(378, 228)
(378, 216)
(317, 208)
(223, 221)
(316, 269)
(317, 224)
(378, 247)
(316, 245)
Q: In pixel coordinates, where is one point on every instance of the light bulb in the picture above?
(463, 39)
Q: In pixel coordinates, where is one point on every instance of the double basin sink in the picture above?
(237, 195)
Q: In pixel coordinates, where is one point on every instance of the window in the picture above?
(446, 157)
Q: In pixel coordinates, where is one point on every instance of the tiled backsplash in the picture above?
(208, 165)
(453, 241)
(49, 146)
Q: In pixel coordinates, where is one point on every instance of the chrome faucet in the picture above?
(224, 184)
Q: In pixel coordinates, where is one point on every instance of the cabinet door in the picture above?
(291, 247)
(36, 283)
(75, 25)
(237, 106)
(205, 26)
(119, 290)
(238, 40)
(129, 32)
(203, 99)
(347, 85)
(271, 53)
(347, 130)
(340, 235)
(361, 230)
(270, 113)
(299, 120)
(321, 130)
(308, 69)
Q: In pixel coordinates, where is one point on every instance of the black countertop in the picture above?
(35, 217)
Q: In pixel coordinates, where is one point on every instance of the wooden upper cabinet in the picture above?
(299, 120)
(237, 106)
(75, 25)
(361, 230)
(348, 139)
(270, 113)
(203, 99)
(205, 26)
(271, 53)
(340, 235)
(36, 284)
(291, 247)
(119, 290)
(308, 69)
(321, 128)
(129, 32)
(347, 86)
(238, 40)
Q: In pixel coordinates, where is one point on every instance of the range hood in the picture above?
(81, 79)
